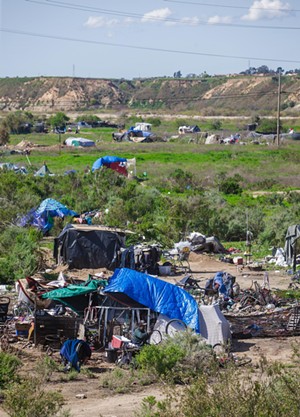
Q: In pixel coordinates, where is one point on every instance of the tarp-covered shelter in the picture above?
(42, 217)
(113, 162)
(290, 248)
(87, 246)
(11, 167)
(79, 142)
(160, 296)
(77, 297)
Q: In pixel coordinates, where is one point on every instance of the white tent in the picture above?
(214, 327)
(79, 142)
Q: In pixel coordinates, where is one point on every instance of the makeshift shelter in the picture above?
(42, 217)
(79, 142)
(214, 327)
(43, 171)
(290, 248)
(145, 127)
(11, 167)
(77, 297)
(113, 162)
(127, 285)
(86, 246)
(182, 130)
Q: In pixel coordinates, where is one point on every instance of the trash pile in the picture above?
(199, 243)
(256, 311)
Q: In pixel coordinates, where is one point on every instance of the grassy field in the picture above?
(259, 166)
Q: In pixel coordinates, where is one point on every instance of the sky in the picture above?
(143, 38)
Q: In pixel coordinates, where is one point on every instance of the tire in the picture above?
(219, 349)
(155, 338)
(175, 326)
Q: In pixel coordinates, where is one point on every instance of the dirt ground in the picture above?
(99, 402)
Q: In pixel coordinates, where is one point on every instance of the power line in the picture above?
(144, 48)
(199, 22)
(231, 7)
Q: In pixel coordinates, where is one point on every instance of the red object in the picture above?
(119, 167)
(116, 342)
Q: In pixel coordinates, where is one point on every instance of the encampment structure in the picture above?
(89, 246)
(290, 248)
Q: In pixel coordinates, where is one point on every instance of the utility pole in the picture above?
(278, 108)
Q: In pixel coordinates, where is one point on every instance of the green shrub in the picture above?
(178, 359)
(23, 257)
(119, 380)
(9, 365)
(268, 126)
(155, 121)
(28, 399)
(216, 125)
(272, 391)
(44, 368)
(230, 185)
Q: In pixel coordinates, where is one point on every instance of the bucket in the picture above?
(164, 270)
(111, 355)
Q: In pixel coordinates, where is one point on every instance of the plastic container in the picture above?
(116, 342)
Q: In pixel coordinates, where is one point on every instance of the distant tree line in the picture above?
(264, 69)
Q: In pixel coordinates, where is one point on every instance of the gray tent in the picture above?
(290, 248)
(43, 171)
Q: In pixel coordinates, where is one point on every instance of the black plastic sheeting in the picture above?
(88, 248)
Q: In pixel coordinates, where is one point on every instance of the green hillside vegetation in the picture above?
(202, 188)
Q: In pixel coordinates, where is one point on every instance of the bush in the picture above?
(9, 365)
(268, 126)
(27, 399)
(230, 185)
(178, 359)
(216, 125)
(155, 121)
(23, 257)
(273, 391)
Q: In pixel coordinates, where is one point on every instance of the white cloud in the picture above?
(192, 21)
(155, 15)
(267, 9)
(100, 22)
(129, 20)
(219, 19)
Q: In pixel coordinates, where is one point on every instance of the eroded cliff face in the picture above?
(235, 94)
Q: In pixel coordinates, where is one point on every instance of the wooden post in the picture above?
(278, 108)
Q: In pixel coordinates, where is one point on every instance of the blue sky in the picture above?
(142, 38)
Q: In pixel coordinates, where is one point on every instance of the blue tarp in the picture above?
(141, 133)
(106, 161)
(42, 217)
(158, 295)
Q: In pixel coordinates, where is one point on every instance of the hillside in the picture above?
(235, 95)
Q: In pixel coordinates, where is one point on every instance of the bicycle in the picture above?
(225, 357)
(53, 343)
(174, 326)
